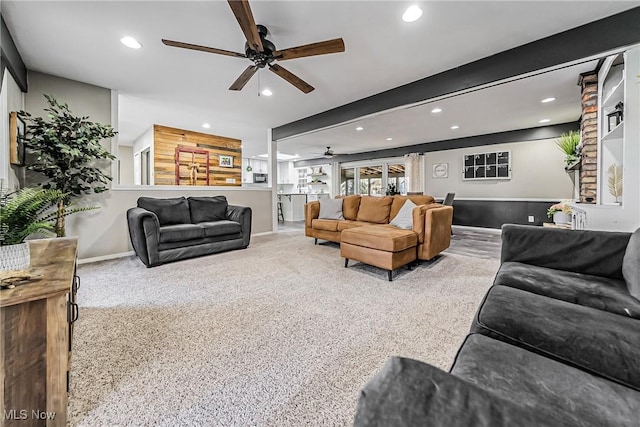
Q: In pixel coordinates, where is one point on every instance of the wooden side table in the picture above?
(35, 338)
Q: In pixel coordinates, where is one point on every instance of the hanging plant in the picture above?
(569, 145)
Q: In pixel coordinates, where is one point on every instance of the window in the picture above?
(347, 181)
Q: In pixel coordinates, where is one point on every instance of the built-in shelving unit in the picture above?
(611, 83)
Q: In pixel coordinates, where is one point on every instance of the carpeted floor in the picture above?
(279, 334)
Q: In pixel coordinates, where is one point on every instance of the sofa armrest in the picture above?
(407, 392)
(242, 215)
(144, 232)
(597, 253)
(432, 223)
(311, 212)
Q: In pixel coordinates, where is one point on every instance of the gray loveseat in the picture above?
(166, 230)
(556, 341)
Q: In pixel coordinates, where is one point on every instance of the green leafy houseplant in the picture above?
(65, 149)
(568, 144)
(24, 213)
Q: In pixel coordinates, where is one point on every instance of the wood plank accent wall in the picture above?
(165, 141)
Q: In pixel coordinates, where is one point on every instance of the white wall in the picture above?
(537, 172)
(125, 156)
(11, 99)
(143, 142)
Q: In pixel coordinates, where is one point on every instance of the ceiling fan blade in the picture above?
(313, 49)
(202, 48)
(244, 78)
(242, 12)
(291, 78)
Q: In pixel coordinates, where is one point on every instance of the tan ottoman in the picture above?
(383, 246)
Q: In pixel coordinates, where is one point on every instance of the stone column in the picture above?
(589, 137)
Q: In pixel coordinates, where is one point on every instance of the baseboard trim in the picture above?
(105, 257)
(265, 233)
(467, 227)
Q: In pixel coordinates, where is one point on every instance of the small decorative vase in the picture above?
(561, 218)
(15, 257)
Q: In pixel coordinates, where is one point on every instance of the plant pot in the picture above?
(561, 218)
(15, 257)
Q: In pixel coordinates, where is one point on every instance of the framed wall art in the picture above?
(496, 165)
(226, 161)
(17, 130)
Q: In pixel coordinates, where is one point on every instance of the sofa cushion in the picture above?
(180, 232)
(594, 340)
(591, 291)
(330, 209)
(343, 225)
(325, 224)
(408, 392)
(207, 209)
(169, 211)
(350, 206)
(404, 218)
(398, 202)
(375, 209)
(220, 228)
(381, 237)
(631, 265)
(561, 393)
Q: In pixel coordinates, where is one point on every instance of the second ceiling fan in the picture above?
(262, 52)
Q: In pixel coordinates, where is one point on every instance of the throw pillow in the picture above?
(375, 209)
(404, 219)
(168, 211)
(208, 209)
(330, 209)
(631, 264)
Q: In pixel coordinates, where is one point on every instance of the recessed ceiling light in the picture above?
(550, 99)
(436, 110)
(206, 125)
(267, 92)
(413, 13)
(359, 128)
(454, 127)
(389, 139)
(544, 121)
(129, 41)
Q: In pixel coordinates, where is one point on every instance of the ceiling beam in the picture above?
(591, 39)
(520, 135)
(10, 57)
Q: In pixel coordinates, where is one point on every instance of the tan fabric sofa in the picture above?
(431, 221)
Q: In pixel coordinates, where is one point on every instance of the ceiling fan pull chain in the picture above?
(259, 86)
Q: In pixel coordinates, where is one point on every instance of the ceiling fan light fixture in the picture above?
(412, 14)
(130, 42)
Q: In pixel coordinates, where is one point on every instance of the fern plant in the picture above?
(24, 213)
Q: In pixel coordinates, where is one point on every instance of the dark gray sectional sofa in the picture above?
(166, 230)
(556, 342)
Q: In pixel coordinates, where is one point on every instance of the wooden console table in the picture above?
(35, 342)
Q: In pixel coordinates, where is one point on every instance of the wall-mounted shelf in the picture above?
(615, 95)
(616, 132)
(573, 166)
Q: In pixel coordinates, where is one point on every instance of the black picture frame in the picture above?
(486, 166)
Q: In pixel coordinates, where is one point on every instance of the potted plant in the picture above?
(66, 149)
(569, 144)
(22, 214)
(560, 212)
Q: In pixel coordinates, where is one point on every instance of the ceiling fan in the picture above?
(329, 153)
(262, 52)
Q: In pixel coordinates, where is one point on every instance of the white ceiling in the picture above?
(79, 40)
